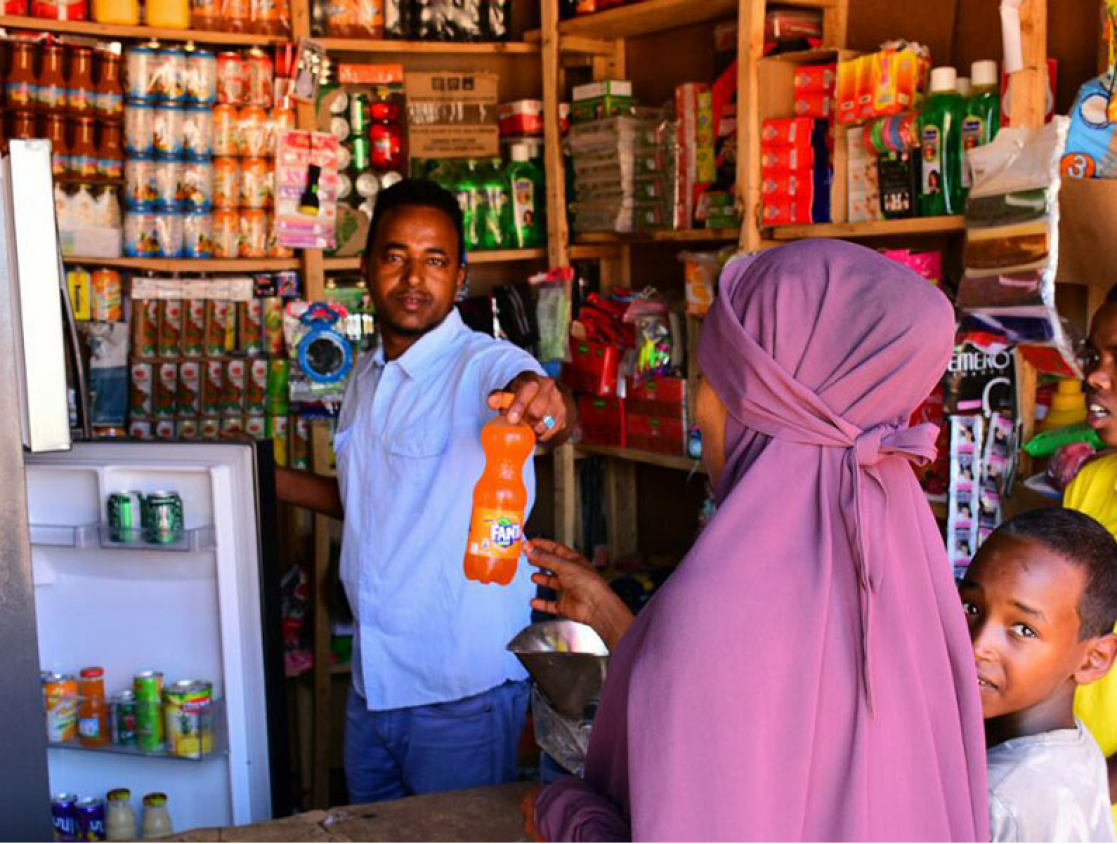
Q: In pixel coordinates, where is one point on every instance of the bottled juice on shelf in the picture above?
(93, 711)
(941, 133)
(499, 500)
(167, 14)
(123, 12)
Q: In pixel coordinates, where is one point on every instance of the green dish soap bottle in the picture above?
(982, 119)
(526, 182)
(467, 188)
(940, 127)
(496, 226)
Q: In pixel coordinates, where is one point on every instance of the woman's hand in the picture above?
(583, 594)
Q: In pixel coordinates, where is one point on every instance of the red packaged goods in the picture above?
(815, 104)
(602, 420)
(786, 132)
(787, 158)
(665, 434)
(592, 368)
(231, 78)
(777, 186)
(60, 10)
(789, 211)
(657, 395)
(819, 78)
(523, 117)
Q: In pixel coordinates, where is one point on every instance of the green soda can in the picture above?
(125, 516)
(148, 688)
(278, 373)
(358, 114)
(164, 524)
(362, 155)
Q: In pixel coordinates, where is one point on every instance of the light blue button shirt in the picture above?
(408, 456)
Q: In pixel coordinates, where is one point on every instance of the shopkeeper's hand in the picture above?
(583, 594)
(540, 403)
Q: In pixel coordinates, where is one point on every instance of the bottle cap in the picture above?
(119, 794)
(521, 152)
(943, 79)
(962, 86)
(984, 72)
(93, 673)
(156, 798)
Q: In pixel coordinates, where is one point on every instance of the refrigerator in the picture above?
(202, 608)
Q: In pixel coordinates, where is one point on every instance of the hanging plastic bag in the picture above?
(552, 313)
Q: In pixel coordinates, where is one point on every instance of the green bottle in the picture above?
(467, 188)
(940, 127)
(526, 183)
(983, 112)
(496, 228)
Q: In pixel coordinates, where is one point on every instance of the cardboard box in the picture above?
(599, 100)
(452, 114)
(659, 395)
(602, 420)
(665, 434)
(592, 368)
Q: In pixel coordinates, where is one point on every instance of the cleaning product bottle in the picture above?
(526, 183)
(1068, 406)
(499, 500)
(941, 134)
(496, 230)
(982, 117)
(467, 188)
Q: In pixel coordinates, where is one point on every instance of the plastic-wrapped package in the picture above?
(355, 18)
(1067, 462)
(562, 738)
(397, 18)
(108, 371)
(966, 433)
(498, 20)
(448, 20)
(552, 314)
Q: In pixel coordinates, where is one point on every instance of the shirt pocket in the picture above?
(415, 458)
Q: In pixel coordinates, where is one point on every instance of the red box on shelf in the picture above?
(603, 420)
(592, 368)
(655, 396)
(665, 434)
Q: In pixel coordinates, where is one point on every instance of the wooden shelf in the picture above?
(342, 668)
(107, 30)
(884, 228)
(647, 17)
(665, 236)
(461, 48)
(192, 265)
(650, 458)
(495, 256)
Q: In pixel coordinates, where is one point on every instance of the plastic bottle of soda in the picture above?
(499, 500)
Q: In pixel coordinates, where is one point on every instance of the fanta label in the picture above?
(496, 534)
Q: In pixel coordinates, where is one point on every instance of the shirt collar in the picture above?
(416, 360)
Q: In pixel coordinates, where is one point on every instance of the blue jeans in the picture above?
(442, 747)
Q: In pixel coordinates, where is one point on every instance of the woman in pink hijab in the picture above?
(806, 673)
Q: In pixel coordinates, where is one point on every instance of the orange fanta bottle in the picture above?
(499, 500)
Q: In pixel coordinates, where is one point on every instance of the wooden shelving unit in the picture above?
(884, 228)
(660, 236)
(452, 48)
(193, 265)
(493, 256)
(648, 458)
(91, 29)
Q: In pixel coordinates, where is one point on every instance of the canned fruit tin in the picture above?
(125, 515)
(197, 131)
(367, 185)
(168, 233)
(189, 429)
(256, 179)
(213, 389)
(273, 325)
(211, 429)
(258, 78)
(278, 120)
(300, 443)
(63, 817)
(252, 131)
(145, 327)
(201, 77)
(140, 73)
(122, 709)
(226, 233)
(362, 155)
(256, 427)
(278, 432)
(197, 237)
(189, 388)
(218, 312)
(232, 403)
(278, 377)
(225, 130)
(107, 299)
(148, 689)
(140, 429)
(256, 387)
(169, 190)
(250, 322)
(188, 714)
(60, 703)
(165, 399)
(197, 185)
(90, 815)
(253, 233)
(340, 126)
(164, 518)
(170, 82)
(344, 186)
(166, 429)
(230, 78)
(275, 249)
(226, 182)
(141, 238)
(139, 128)
(344, 157)
(140, 190)
(168, 129)
(194, 328)
(170, 328)
(141, 377)
(232, 425)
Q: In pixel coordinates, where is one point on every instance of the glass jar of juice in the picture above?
(123, 12)
(93, 711)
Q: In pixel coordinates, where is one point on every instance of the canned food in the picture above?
(90, 815)
(250, 322)
(362, 155)
(164, 518)
(226, 233)
(170, 328)
(252, 131)
(278, 433)
(197, 131)
(278, 377)
(232, 425)
(367, 185)
(300, 443)
(60, 700)
(213, 386)
(140, 389)
(197, 185)
(344, 157)
(140, 429)
(107, 299)
(340, 126)
(258, 78)
(194, 325)
(211, 429)
(171, 84)
(168, 185)
(145, 327)
(169, 126)
(226, 182)
(188, 429)
(225, 131)
(232, 403)
(139, 73)
(340, 102)
(148, 689)
(230, 78)
(256, 183)
(139, 128)
(256, 387)
(168, 233)
(125, 516)
(273, 325)
(344, 186)
(63, 816)
(256, 427)
(141, 239)
(197, 237)
(253, 233)
(140, 190)
(217, 325)
(166, 429)
(280, 119)
(390, 178)
(201, 77)
(165, 400)
(122, 718)
(275, 250)
(189, 388)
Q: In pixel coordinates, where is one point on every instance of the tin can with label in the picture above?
(168, 232)
(217, 325)
(211, 429)
(259, 77)
(122, 719)
(188, 428)
(226, 182)
(139, 128)
(168, 185)
(362, 155)
(63, 816)
(187, 709)
(107, 303)
(273, 326)
(232, 425)
(225, 130)
(90, 815)
(189, 388)
(300, 443)
(194, 328)
(125, 516)
(140, 236)
(166, 429)
(213, 390)
(253, 233)
(278, 377)
(60, 700)
(197, 234)
(226, 233)
(201, 77)
(256, 387)
(171, 72)
(256, 427)
(275, 250)
(198, 130)
(140, 191)
(140, 429)
(197, 185)
(255, 183)
(168, 128)
(77, 282)
(170, 328)
(139, 73)
(278, 431)
(252, 124)
(250, 321)
(165, 401)
(145, 327)
(165, 523)
(278, 120)
(230, 78)
(236, 371)
(141, 376)
(147, 686)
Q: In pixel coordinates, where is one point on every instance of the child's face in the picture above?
(1100, 365)
(1021, 602)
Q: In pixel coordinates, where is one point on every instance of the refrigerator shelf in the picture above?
(193, 540)
(65, 536)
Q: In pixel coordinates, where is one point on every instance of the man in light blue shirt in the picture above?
(437, 703)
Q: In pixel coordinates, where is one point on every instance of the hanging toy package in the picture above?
(321, 357)
(654, 347)
(552, 312)
(966, 434)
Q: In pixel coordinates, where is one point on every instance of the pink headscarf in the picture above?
(806, 673)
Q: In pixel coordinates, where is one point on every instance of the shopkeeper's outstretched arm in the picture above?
(535, 398)
(306, 489)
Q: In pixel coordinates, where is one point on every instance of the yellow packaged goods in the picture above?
(188, 712)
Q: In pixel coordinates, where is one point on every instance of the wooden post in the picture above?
(750, 49)
(558, 233)
(320, 583)
(620, 508)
